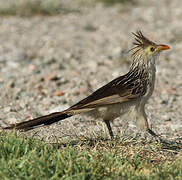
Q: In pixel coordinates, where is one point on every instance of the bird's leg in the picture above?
(142, 120)
(109, 128)
(143, 124)
(152, 132)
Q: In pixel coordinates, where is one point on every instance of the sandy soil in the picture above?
(50, 63)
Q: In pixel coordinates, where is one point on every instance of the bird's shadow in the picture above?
(88, 142)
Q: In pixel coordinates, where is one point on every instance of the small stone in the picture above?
(166, 118)
(32, 67)
(164, 102)
(59, 93)
(11, 84)
(7, 109)
(12, 120)
(68, 55)
(51, 77)
(27, 117)
(148, 147)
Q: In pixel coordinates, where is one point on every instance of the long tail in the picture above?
(43, 120)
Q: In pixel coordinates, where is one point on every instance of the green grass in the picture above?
(27, 158)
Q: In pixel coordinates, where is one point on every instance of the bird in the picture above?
(131, 90)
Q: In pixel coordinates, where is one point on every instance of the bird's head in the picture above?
(146, 49)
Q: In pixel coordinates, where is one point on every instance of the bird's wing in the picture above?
(122, 89)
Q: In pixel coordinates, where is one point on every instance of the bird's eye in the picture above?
(152, 49)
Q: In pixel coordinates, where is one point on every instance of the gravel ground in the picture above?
(48, 63)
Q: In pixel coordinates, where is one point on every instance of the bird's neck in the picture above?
(144, 65)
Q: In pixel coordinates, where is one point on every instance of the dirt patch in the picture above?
(48, 63)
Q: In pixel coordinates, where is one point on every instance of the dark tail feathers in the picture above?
(43, 120)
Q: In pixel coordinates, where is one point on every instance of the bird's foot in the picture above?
(159, 139)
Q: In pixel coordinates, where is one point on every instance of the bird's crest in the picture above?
(140, 42)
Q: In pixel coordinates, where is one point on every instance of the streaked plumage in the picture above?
(115, 98)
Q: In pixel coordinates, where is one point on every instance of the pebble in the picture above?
(32, 67)
(51, 77)
(166, 117)
(59, 93)
(11, 84)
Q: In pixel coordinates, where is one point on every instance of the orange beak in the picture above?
(163, 47)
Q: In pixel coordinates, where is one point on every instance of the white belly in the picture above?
(111, 112)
